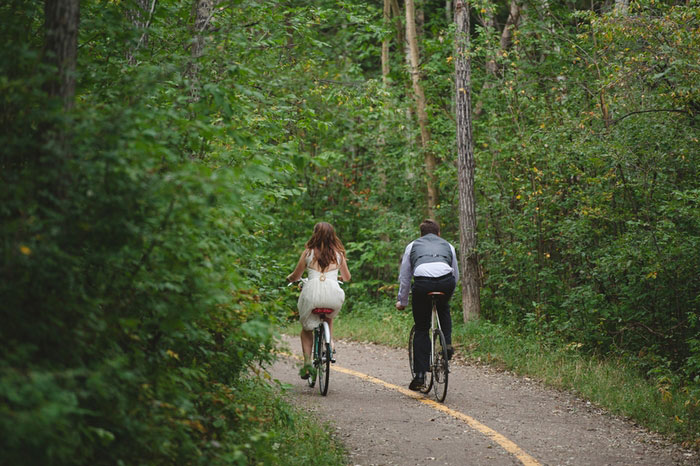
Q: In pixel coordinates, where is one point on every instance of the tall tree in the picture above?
(396, 10)
(385, 41)
(61, 20)
(468, 259)
(61, 47)
(419, 95)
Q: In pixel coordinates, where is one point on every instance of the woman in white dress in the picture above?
(323, 258)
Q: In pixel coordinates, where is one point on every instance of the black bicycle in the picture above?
(439, 368)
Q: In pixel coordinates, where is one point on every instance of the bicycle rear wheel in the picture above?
(440, 367)
(411, 358)
(324, 363)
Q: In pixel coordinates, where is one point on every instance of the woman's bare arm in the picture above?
(299, 270)
(344, 271)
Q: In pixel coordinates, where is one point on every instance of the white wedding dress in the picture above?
(321, 289)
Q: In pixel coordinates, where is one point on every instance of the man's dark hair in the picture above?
(429, 226)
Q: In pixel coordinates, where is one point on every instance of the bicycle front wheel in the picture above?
(324, 364)
(440, 366)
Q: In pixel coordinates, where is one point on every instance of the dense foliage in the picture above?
(587, 171)
(587, 175)
(128, 321)
(146, 233)
(593, 218)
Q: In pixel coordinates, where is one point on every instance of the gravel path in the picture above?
(382, 425)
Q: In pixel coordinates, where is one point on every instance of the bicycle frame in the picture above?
(433, 318)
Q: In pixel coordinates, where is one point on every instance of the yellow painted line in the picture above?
(500, 439)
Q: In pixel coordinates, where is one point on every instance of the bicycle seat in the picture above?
(436, 293)
(322, 311)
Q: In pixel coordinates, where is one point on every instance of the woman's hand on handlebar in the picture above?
(299, 282)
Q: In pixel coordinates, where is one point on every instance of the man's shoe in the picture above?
(417, 383)
(450, 352)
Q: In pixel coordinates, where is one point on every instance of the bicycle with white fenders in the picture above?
(322, 349)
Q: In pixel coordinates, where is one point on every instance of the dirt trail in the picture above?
(384, 426)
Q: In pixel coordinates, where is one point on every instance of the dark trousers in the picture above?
(422, 307)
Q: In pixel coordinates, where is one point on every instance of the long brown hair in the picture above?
(325, 245)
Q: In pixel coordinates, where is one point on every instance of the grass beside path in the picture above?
(611, 384)
(272, 431)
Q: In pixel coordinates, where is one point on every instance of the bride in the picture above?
(323, 258)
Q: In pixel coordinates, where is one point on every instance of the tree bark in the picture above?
(468, 259)
(61, 47)
(385, 42)
(511, 23)
(399, 26)
(421, 113)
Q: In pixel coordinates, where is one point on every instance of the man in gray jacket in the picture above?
(432, 264)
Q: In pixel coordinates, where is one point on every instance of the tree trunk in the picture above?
(203, 14)
(385, 42)
(420, 108)
(399, 27)
(62, 18)
(141, 19)
(468, 259)
(381, 140)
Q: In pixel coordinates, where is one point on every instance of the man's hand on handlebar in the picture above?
(400, 306)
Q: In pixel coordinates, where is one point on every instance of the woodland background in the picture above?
(153, 199)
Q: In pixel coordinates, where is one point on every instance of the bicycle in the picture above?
(321, 352)
(438, 368)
